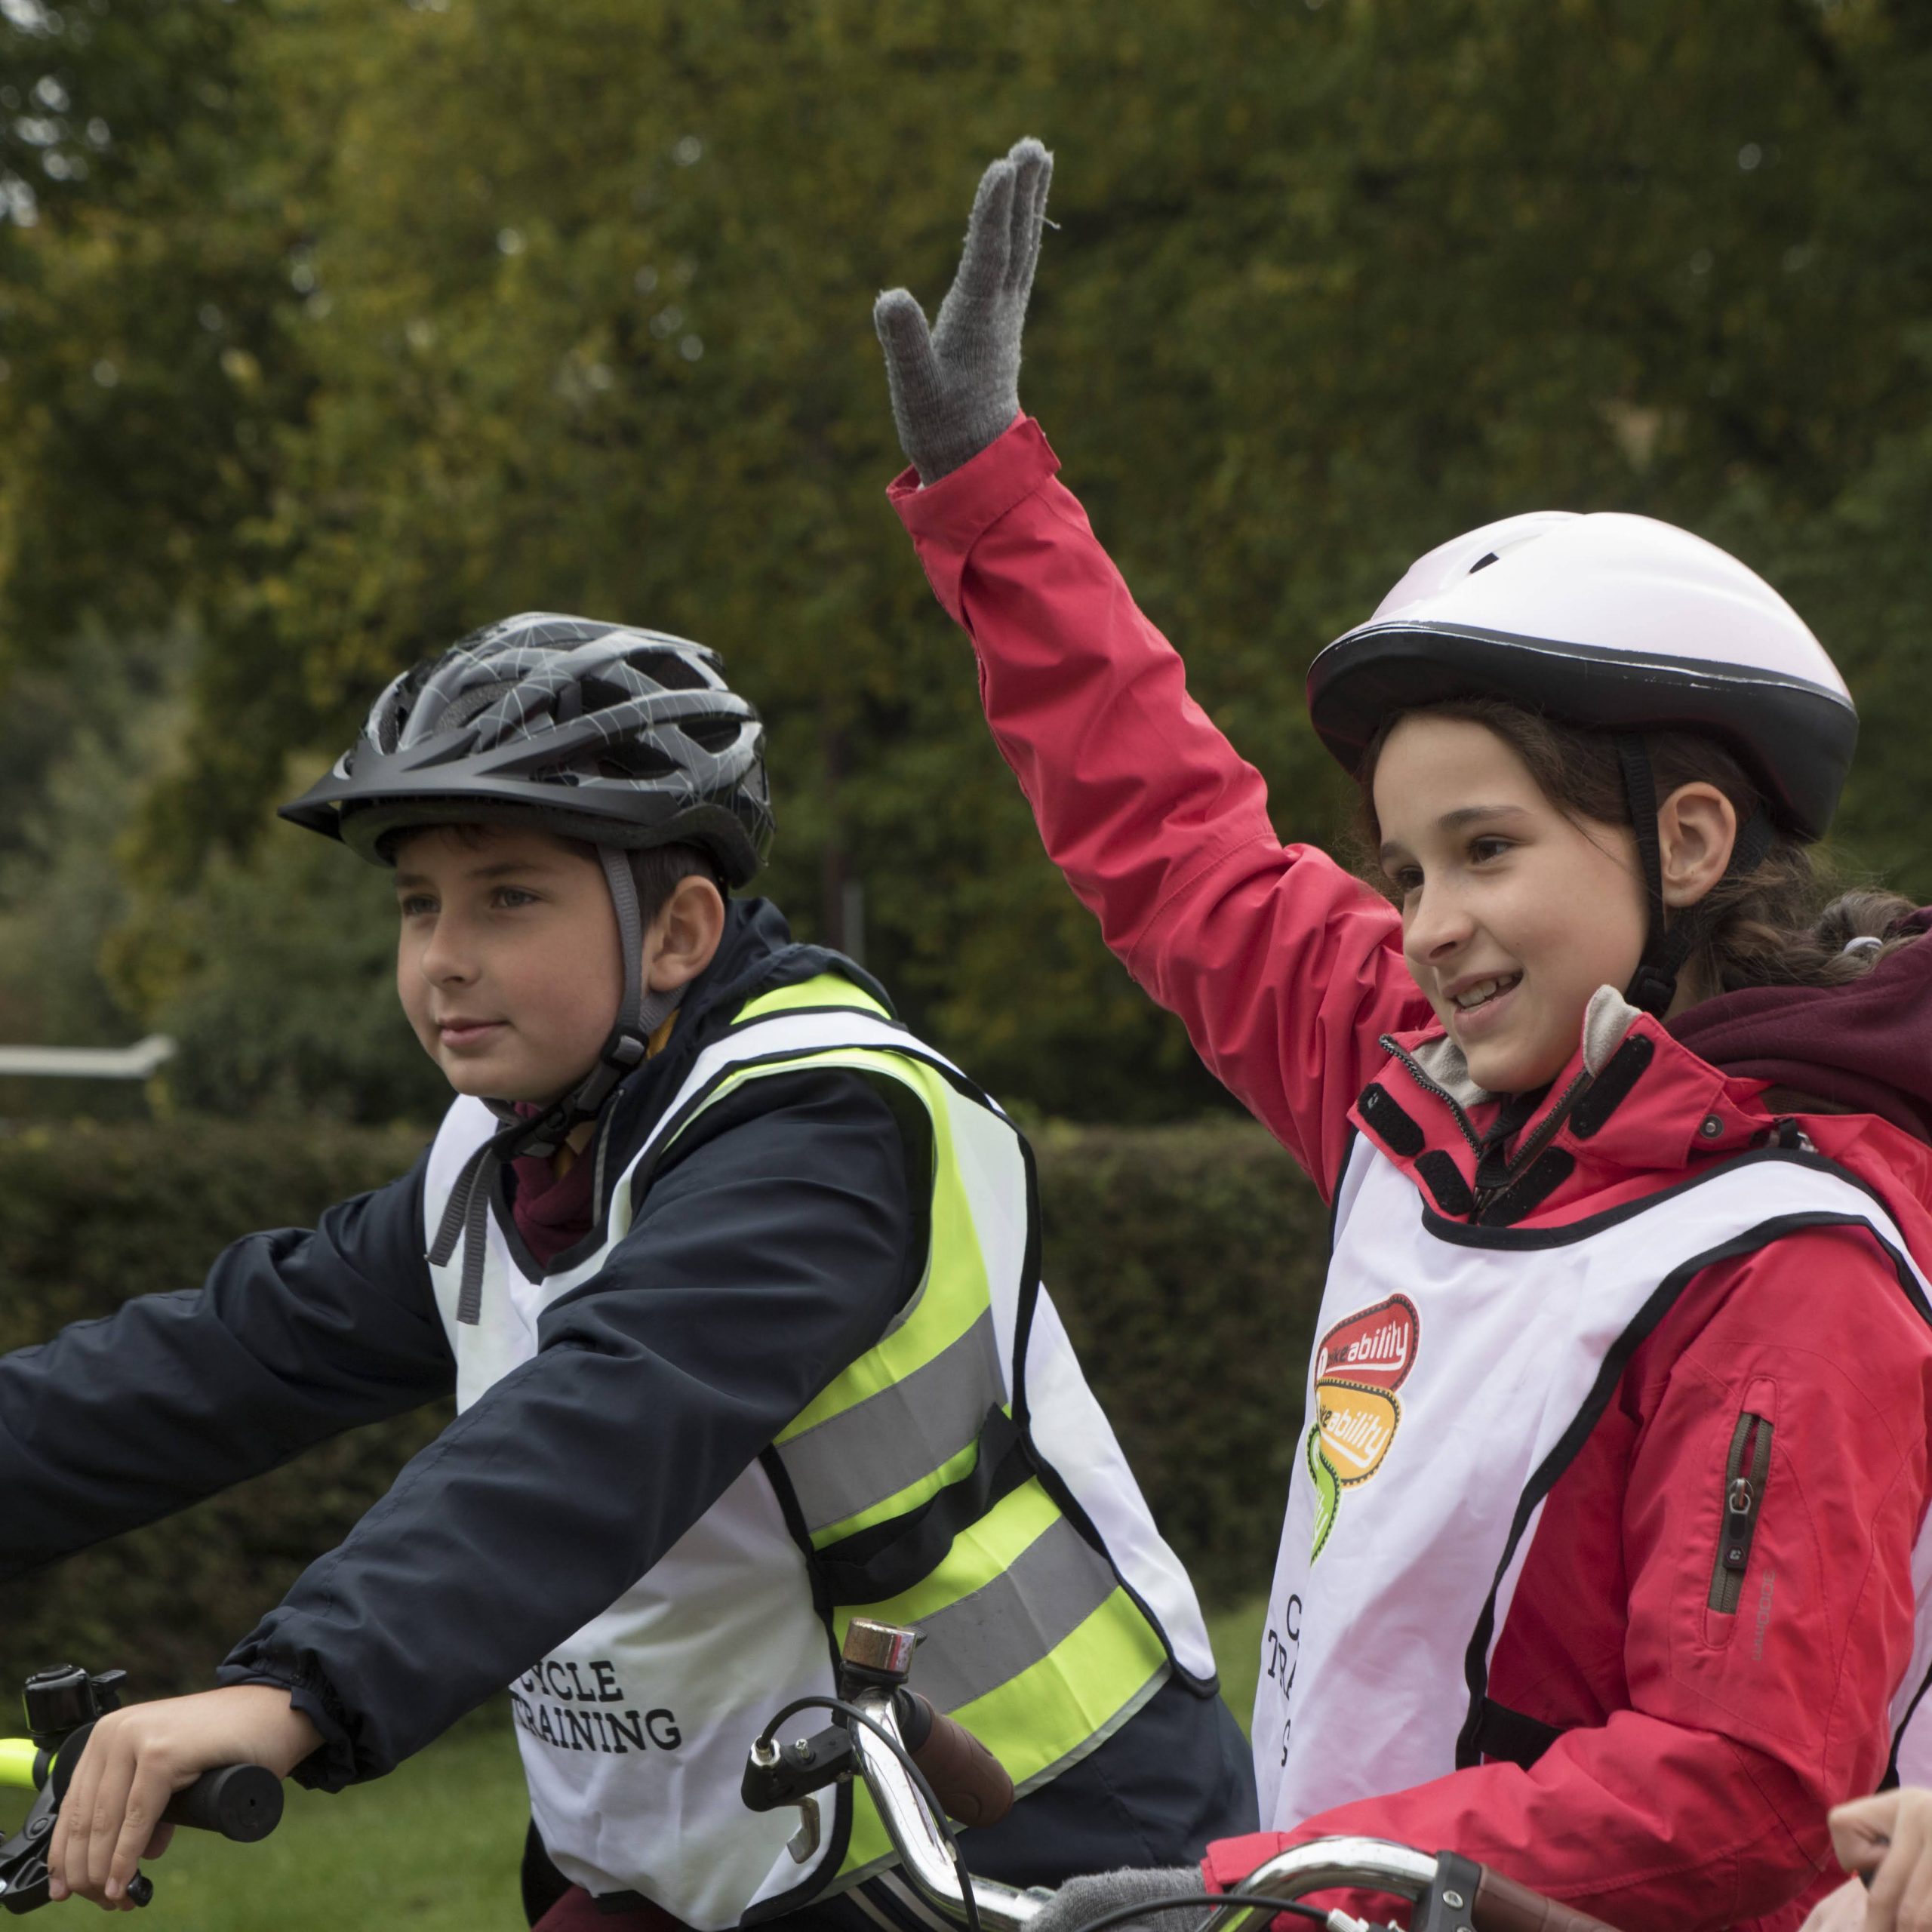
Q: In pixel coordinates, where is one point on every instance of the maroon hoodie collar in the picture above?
(1866, 1046)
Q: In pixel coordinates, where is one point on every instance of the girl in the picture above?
(1598, 1562)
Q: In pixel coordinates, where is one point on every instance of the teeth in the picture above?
(1485, 990)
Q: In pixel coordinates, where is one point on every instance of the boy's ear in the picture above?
(1696, 829)
(684, 938)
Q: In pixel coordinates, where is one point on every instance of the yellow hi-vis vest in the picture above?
(959, 1475)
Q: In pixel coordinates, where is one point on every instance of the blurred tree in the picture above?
(566, 309)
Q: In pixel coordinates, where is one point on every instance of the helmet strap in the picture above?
(1669, 942)
(640, 1014)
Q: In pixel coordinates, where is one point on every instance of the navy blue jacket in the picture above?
(772, 1247)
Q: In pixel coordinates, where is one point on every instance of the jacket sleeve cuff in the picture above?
(947, 519)
(332, 1766)
(1229, 1860)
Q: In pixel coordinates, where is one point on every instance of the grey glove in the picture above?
(1080, 1901)
(956, 389)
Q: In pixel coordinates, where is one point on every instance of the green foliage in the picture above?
(422, 315)
(276, 976)
(1186, 1262)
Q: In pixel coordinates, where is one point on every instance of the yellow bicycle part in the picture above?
(22, 1765)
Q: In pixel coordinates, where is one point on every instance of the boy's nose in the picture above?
(445, 961)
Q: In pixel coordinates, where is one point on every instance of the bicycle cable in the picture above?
(853, 1714)
(1201, 1902)
(1198, 1901)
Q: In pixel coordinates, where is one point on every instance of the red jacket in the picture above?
(1699, 1750)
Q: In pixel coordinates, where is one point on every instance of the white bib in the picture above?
(1456, 1372)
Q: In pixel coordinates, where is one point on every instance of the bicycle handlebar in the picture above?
(242, 1802)
(1504, 1906)
(1450, 1891)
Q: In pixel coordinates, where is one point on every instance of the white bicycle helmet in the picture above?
(1620, 623)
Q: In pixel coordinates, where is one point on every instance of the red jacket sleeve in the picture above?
(1285, 969)
(1702, 1803)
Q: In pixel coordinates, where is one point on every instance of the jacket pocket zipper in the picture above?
(1746, 1471)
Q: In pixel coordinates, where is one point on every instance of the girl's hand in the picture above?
(136, 1761)
(1889, 1837)
(956, 389)
(1842, 1911)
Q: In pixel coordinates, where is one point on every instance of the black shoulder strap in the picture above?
(1513, 1737)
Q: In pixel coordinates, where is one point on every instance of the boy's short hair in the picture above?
(659, 870)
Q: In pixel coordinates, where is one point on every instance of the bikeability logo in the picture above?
(1359, 1364)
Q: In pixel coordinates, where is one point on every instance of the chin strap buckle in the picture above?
(1651, 990)
(626, 1051)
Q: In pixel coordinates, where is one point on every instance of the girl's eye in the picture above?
(415, 906)
(1480, 849)
(1405, 880)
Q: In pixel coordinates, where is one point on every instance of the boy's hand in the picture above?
(1889, 1837)
(956, 389)
(137, 1759)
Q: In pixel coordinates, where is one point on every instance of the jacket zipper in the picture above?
(1746, 1471)
(1387, 1043)
(1553, 1121)
(1526, 1154)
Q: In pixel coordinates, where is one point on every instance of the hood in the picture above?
(756, 955)
(1864, 1047)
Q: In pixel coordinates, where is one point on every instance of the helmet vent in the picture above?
(633, 761)
(673, 672)
(714, 735)
(1482, 563)
(601, 694)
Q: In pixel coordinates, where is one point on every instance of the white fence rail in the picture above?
(136, 1062)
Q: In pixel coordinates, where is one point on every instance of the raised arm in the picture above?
(1284, 969)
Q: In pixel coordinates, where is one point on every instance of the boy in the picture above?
(734, 1282)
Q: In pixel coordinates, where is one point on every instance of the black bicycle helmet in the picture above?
(596, 731)
(623, 738)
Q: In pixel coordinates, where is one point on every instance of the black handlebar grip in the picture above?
(241, 1802)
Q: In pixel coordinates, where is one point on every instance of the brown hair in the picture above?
(1777, 925)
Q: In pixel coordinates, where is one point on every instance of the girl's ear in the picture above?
(684, 938)
(1696, 829)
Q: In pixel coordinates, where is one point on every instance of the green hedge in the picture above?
(1185, 1261)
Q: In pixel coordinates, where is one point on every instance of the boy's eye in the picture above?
(510, 897)
(415, 905)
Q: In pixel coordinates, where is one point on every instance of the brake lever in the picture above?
(23, 1872)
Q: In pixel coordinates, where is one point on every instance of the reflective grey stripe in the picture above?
(887, 1442)
(988, 1638)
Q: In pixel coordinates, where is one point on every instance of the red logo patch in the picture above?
(1375, 1348)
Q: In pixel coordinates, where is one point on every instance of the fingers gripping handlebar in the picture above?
(241, 1802)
